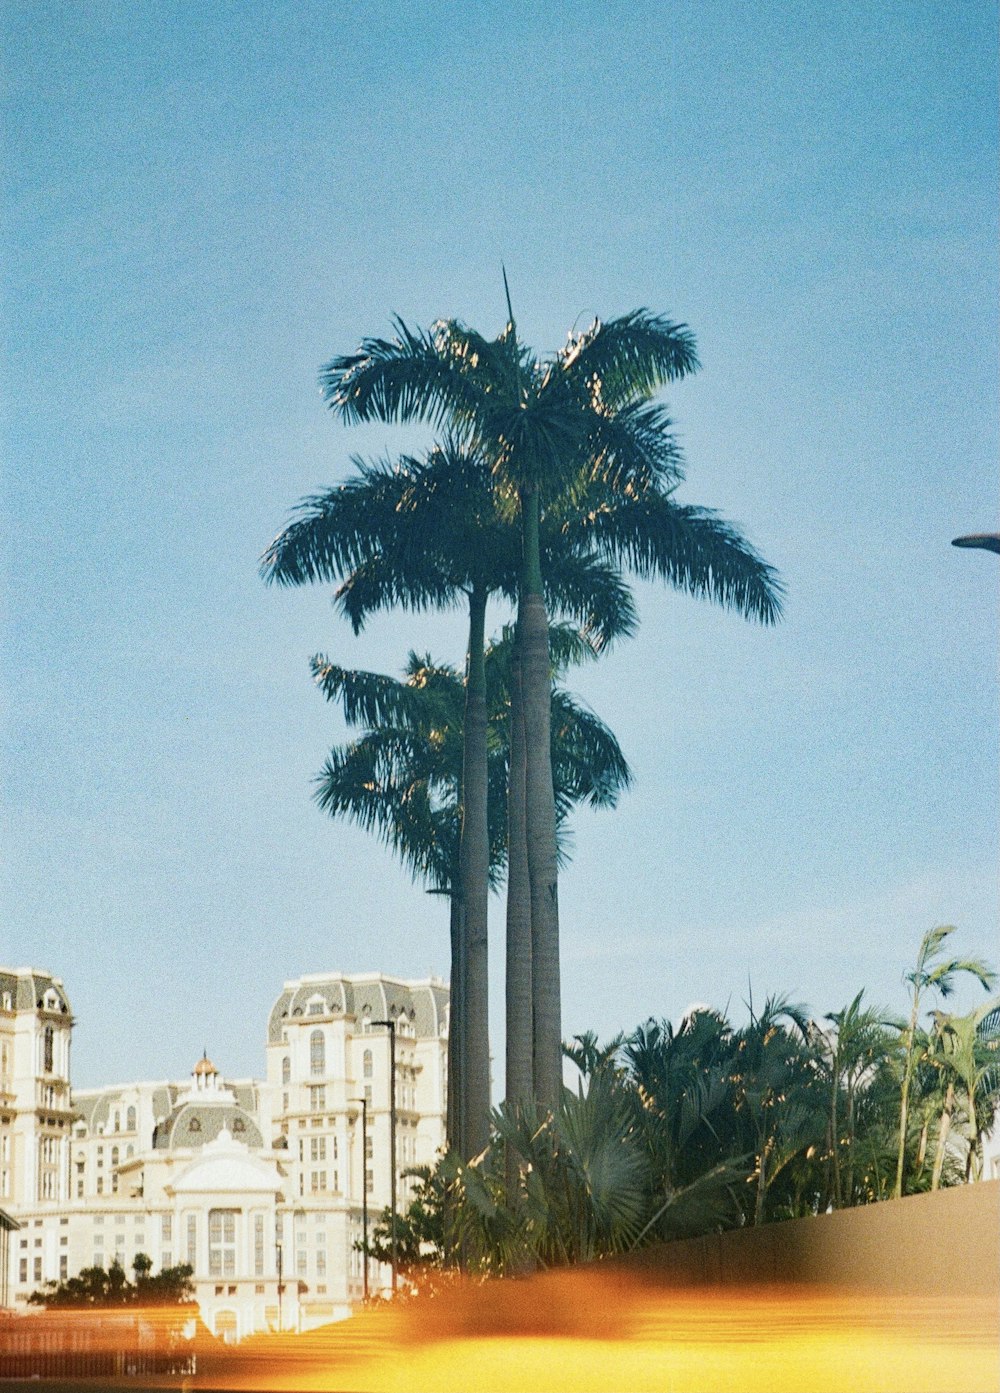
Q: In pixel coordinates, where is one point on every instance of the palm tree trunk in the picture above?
(904, 1097)
(835, 1132)
(474, 860)
(520, 1039)
(943, 1130)
(456, 1028)
(972, 1164)
(540, 815)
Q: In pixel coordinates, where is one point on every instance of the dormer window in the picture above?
(317, 1008)
(194, 1125)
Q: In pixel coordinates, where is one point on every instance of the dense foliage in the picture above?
(678, 1131)
(97, 1287)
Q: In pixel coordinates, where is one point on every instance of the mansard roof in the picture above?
(196, 1122)
(357, 995)
(28, 987)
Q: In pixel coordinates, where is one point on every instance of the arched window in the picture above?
(118, 1121)
(48, 1047)
(286, 1070)
(367, 1063)
(317, 1053)
(130, 1120)
(114, 1155)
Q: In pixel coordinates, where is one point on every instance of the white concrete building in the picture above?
(258, 1185)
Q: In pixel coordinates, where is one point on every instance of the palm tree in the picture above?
(425, 532)
(573, 430)
(850, 1053)
(968, 1061)
(937, 974)
(403, 780)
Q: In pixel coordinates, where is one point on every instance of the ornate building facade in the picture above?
(259, 1185)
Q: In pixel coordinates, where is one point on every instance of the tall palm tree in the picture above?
(425, 532)
(403, 779)
(937, 974)
(556, 433)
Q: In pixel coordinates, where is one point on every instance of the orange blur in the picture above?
(589, 1332)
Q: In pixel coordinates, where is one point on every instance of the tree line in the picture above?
(677, 1131)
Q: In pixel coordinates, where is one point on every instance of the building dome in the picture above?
(204, 1066)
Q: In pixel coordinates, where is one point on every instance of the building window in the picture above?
(317, 1098)
(286, 1070)
(317, 1053)
(258, 1245)
(300, 1263)
(63, 1267)
(168, 1259)
(192, 1240)
(316, 1008)
(118, 1121)
(130, 1120)
(321, 1263)
(367, 1062)
(369, 1181)
(100, 1184)
(38, 1269)
(48, 1043)
(222, 1242)
(317, 1181)
(317, 1148)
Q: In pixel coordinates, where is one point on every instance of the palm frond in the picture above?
(407, 378)
(630, 357)
(691, 548)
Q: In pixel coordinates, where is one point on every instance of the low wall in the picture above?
(942, 1243)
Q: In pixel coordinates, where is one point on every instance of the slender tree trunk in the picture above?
(474, 858)
(456, 1028)
(904, 1097)
(972, 1166)
(520, 1035)
(835, 1132)
(942, 1141)
(758, 1210)
(540, 816)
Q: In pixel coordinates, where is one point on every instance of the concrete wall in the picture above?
(946, 1242)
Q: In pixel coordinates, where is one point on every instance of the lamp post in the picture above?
(391, 1027)
(364, 1184)
(281, 1285)
(984, 541)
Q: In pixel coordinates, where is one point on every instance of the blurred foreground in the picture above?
(585, 1331)
(595, 1330)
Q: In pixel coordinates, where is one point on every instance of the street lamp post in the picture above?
(281, 1285)
(984, 541)
(364, 1184)
(391, 1027)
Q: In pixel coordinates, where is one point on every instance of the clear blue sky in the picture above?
(203, 203)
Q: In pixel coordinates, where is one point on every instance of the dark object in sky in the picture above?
(986, 541)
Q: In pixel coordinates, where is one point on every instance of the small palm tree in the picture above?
(932, 973)
(857, 1043)
(968, 1060)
